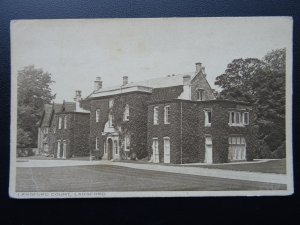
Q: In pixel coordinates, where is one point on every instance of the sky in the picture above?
(75, 52)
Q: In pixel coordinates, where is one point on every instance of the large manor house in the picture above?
(172, 119)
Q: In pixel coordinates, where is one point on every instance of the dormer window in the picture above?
(200, 94)
(126, 113)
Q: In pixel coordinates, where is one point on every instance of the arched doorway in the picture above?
(109, 149)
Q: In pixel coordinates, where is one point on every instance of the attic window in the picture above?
(200, 94)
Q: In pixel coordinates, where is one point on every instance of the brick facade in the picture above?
(198, 127)
(187, 130)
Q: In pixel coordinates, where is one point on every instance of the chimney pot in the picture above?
(125, 80)
(198, 67)
(77, 96)
(186, 79)
(97, 84)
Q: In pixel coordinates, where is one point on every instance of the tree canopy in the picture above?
(33, 92)
(262, 83)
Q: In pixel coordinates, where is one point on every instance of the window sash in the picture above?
(59, 122)
(166, 114)
(97, 115)
(246, 118)
(208, 117)
(65, 122)
(155, 115)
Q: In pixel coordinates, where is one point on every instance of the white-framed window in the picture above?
(235, 119)
(167, 150)
(116, 147)
(126, 113)
(155, 150)
(155, 115)
(65, 122)
(58, 148)
(110, 120)
(167, 114)
(237, 148)
(97, 115)
(110, 103)
(64, 149)
(200, 94)
(246, 118)
(127, 142)
(207, 119)
(59, 122)
(46, 130)
(96, 144)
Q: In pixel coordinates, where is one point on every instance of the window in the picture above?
(58, 149)
(110, 120)
(54, 129)
(235, 119)
(127, 142)
(167, 150)
(207, 118)
(155, 150)
(126, 113)
(65, 122)
(200, 93)
(46, 130)
(116, 146)
(245, 118)
(166, 114)
(97, 115)
(59, 122)
(96, 144)
(238, 118)
(110, 103)
(155, 115)
(45, 147)
(237, 148)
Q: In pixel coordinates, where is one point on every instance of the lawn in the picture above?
(273, 166)
(115, 178)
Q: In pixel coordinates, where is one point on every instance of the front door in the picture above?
(166, 150)
(109, 149)
(155, 151)
(208, 150)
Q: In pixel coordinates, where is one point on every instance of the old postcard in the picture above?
(151, 107)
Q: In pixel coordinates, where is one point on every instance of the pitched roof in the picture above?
(160, 82)
(47, 113)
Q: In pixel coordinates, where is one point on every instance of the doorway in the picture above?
(208, 150)
(109, 149)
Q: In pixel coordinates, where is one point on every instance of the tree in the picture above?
(262, 83)
(33, 92)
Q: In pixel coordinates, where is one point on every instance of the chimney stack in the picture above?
(77, 97)
(186, 79)
(97, 84)
(125, 80)
(200, 68)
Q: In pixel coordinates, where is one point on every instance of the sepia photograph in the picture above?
(156, 107)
